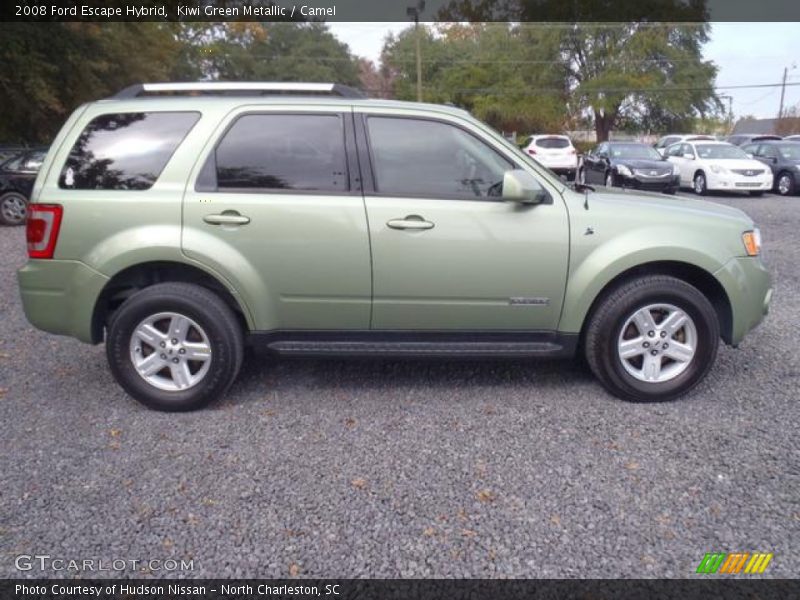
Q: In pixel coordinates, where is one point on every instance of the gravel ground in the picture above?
(411, 469)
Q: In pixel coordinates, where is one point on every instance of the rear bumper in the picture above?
(749, 288)
(59, 296)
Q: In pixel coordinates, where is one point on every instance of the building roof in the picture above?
(755, 126)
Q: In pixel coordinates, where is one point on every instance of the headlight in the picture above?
(624, 171)
(752, 242)
(718, 169)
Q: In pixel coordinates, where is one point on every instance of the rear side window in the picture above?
(281, 152)
(552, 142)
(125, 151)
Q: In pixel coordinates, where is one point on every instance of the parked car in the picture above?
(663, 143)
(555, 152)
(740, 139)
(16, 182)
(783, 159)
(705, 166)
(176, 228)
(792, 138)
(10, 150)
(628, 164)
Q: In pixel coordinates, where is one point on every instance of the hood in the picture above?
(737, 163)
(635, 200)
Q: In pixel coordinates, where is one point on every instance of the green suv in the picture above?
(180, 222)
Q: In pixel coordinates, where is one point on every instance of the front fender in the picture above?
(593, 267)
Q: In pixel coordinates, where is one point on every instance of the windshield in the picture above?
(719, 151)
(790, 151)
(634, 151)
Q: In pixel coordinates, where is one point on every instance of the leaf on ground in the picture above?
(168, 543)
(485, 496)
(115, 432)
(632, 465)
(294, 569)
(359, 483)
(208, 502)
(428, 531)
(555, 519)
(350, 422)
(3, 392)
(468, 533)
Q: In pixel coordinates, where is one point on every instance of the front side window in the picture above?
(283, 152)
(125, 151)
(416, 157)
(674, 150)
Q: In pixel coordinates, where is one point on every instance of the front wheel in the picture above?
(700, 184)
(175, 346)
(785, 185)
(652, 339)
(13, 208)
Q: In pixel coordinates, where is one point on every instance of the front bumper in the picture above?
(59, 296)
(749, 288)
(640, 182)
(733, 181)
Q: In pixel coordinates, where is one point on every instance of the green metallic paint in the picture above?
(310, 262)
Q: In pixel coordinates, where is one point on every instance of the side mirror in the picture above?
(689, 156)
(749, 155)
(520, 186)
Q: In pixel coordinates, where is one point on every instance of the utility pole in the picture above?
(783, 88)
(415, 11)
(783, 92)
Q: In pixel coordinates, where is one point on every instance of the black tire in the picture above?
(223, 331)
(790, 186)
(700, 186)
(610, 315)
(13, 208)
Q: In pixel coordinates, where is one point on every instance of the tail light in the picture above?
(44, 222)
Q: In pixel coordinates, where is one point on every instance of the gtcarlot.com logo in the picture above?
(45, 562)
(734, 563)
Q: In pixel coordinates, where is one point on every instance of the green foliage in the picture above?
(48, 69)
(494, 70)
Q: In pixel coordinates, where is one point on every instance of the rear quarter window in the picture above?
(125, 151)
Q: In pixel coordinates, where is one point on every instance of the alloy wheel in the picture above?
(13, 208)
(657, 343)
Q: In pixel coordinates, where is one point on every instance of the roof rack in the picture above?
(238, 88)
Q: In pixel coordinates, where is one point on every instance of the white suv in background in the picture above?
(705, 166)
(665, 142)
(555, 152)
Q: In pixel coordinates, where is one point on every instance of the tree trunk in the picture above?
(602, 125)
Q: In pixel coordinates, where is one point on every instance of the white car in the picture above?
(665, 142)
(706, 165)
(555, 152)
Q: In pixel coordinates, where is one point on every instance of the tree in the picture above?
(48, 69)
(643, 72)
(498, 71)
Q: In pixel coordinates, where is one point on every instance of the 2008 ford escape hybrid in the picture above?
(176, 222)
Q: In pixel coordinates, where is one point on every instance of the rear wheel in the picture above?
(652, 339)
(785, 184)
(700, 184)
(13, 208)
(175, 346)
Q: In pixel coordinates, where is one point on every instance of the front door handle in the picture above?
(227, 218)
(410, 222)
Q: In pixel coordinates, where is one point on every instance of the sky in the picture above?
(746, 53)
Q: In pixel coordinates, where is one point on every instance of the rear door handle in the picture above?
(227, 218)
(410, 222)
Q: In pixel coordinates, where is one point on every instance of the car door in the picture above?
(599, 164)
(276, 206)
(447, 252)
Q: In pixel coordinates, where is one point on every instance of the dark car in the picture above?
(17, 176)
(784, 160)
(740, 139)
(629, 164)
